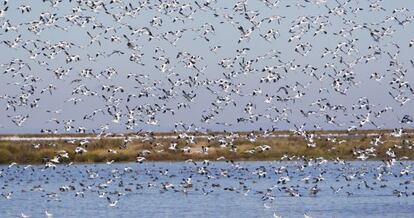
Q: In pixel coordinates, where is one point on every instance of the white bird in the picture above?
(112, 203)
(48, 215)
(275, 215)
(306, 216)
(141, 159)
(12, 164)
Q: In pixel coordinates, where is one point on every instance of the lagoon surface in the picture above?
(215, 189)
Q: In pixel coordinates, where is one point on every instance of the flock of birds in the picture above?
(95, 66)
(104, 187)
(149, 65)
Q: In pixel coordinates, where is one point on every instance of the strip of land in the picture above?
(361, 144)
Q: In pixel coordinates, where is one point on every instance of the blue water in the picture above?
(224, 190)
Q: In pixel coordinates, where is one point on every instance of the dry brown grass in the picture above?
(23, 152)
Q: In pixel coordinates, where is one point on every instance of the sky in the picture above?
(211, 99)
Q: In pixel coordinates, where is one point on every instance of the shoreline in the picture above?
(30, 150)
(197, 161)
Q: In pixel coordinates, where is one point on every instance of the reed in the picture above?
(97, 150)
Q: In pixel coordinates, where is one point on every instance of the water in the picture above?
(225, 190)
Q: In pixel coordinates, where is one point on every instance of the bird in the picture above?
(49, 215)
(7, 195)
(3, 11)
(305, 215)
(112, 203)
(275, 215)
(223, 79)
